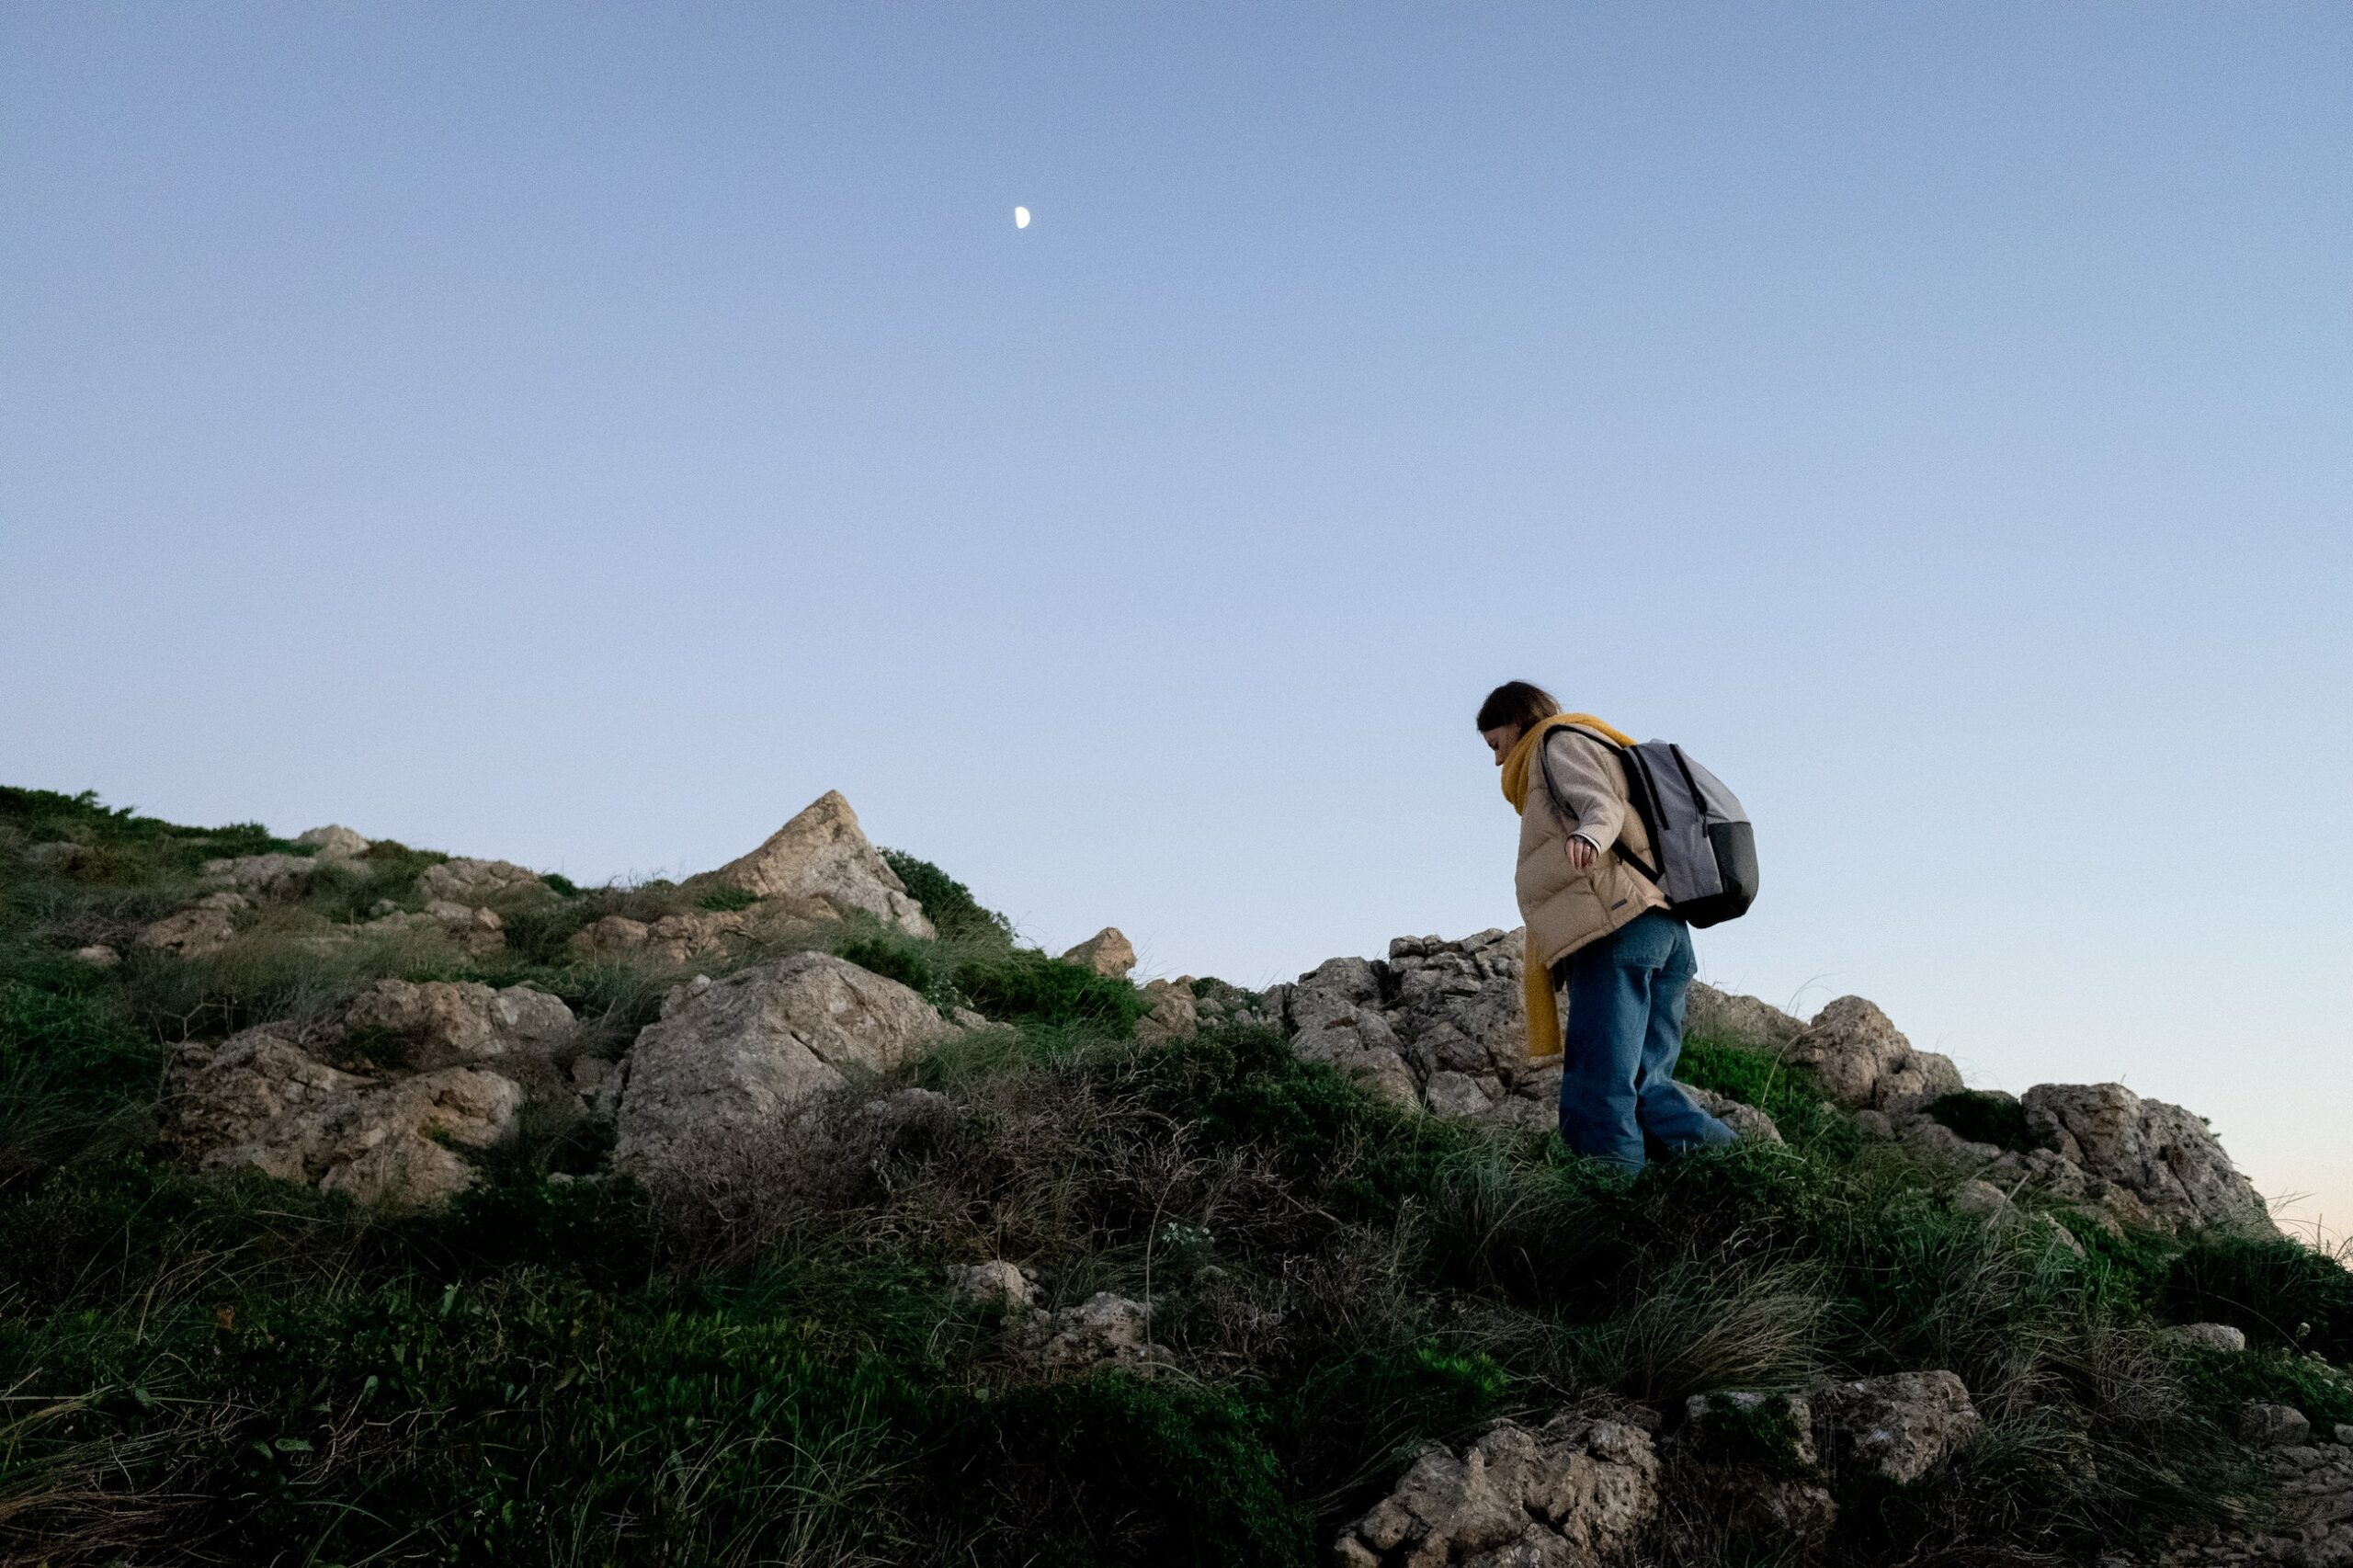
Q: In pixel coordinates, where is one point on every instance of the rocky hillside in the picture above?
(368, 1204)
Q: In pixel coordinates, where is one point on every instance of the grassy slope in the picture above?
(567, 1372)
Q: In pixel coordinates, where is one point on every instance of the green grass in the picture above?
(213, 1368)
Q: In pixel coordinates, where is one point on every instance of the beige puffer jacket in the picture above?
(1566, 908)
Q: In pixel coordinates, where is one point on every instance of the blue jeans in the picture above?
(1624, 1032)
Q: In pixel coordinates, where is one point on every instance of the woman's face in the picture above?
(1502, 738)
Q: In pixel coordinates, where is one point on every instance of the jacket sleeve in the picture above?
(1586, 787)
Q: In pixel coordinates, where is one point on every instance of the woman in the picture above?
(1598, 928)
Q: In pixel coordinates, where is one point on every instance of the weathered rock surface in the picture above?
(2273, 1425)
(821, 861)
(1865, 1063)
(475, 928)
(675, 939)
(334, 842)
(202, 929)
(1174, 1015)
(734, 1055)
(1735, 1019)
(995, 1282)
(1897, 1427)
(266, 876)
(1752, 1125)
(1108, 952)
(1745, 1462)
(2315, 1491)
(2217, 1336)
(1577, 1491)
(98, 955)
(2161, 1154)
(439, 1023)
(258, 1100)
(479, 881)
(1105, 1328)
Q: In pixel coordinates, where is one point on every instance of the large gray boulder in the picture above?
(2163, 1155)
(735, 1057)
(1579, 1491)
(1865, 1063)
(820, 863)
(259, 1101)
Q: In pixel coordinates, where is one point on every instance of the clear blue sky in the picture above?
(585, 434)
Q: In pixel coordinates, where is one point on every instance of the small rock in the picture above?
(1897, 1427)
(1749, 1465)
(98, 954)
(1577, 1491)
(1103, 1328)
(333, 843)
(2211, 1336)
(995, 1282)
(2273, 1425)
(198, 931)
(1107, 953)
(1981, 1199)
(1750, 1124)
(2344, 1435)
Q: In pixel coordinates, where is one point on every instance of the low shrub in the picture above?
(2280, 1292)
(948, 904)
(1022, 985)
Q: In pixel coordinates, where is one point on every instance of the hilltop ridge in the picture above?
(376, 1204)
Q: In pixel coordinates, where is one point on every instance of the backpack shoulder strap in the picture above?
(1637, 791)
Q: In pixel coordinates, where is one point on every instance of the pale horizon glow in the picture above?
(583, 438)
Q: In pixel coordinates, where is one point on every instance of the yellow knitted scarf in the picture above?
(1543, 1014)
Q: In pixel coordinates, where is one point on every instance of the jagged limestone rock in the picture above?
(1897, 1427)
(1735, 1019)
(1865, 1063)
(439, 1023)
(674, 938)
(479, 881)
(1173, 1015)
(1108, 952)
(821, 862)
(1105, 1328)
(2162, 1154)
(1579, 1491)
(202, 929)
(736, 1055)
(258, 1100)
(1744, 1462)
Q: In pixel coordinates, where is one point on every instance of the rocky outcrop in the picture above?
(734, 1056)
(375, 1101)
(820, 863)
(1108, 952)
(284, 876)
(1174, 1015)
(259, 1101)
(1105, 1329)
(1895, 1427)
(477, 929)
(441, 1023)
(1579, 1491)
(2312, 1527)
(334, 842)
(1438, 1025)
(673, 938)
(479, 881)
(2163, 1155)
(1864, 1063)
(1732, 1020)
(1745, 1462)
(198, 931)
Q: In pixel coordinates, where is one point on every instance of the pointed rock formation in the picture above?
(821, 862)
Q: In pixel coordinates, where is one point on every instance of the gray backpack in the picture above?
(1706, 848)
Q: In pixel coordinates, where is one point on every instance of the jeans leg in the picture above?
(1667, 1114)
(1601, 1054)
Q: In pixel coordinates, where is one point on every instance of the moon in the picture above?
(1021, 217)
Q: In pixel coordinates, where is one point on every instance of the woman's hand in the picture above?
(1582, 854)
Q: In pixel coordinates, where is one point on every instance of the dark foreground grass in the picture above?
(771, 1369)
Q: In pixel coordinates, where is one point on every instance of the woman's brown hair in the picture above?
(1516, 702)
